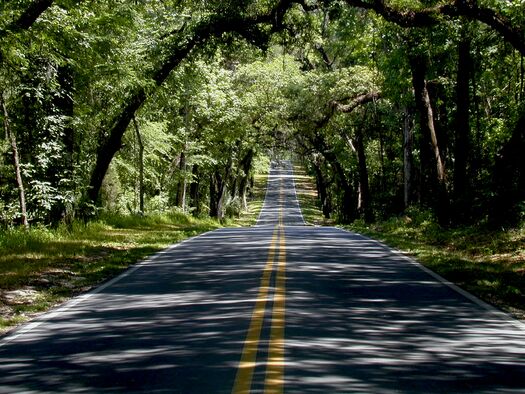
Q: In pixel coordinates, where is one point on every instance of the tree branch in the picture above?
(427, 17)
(356, 102)
(213, 27)
(28, 17)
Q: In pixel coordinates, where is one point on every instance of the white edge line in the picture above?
(294, 190)
(296, 199)
(61, 309)
(265, 194)
(490, 308)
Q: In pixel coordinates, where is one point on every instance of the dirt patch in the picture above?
(26, 295)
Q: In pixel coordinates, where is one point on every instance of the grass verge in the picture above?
(307, 196)
(488, 264)
(43, 267)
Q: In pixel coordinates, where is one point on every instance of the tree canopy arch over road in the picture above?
(148, 105)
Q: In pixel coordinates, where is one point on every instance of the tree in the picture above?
(28, 17)
(192, 37)
(16, 161)
(178, 99)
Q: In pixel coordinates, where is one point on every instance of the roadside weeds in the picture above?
(488, 264)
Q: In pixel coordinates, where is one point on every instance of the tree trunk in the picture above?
(509, 179)
(322, 188)
(214, 194)
(522, 78)
(462, 143)
(347, 203)
(28, 17)
(348, 213)
(141, 166)
(363, 199)
(408, 142)
(181, 190)
(426, 120)
(430, 126)
(381, 153)
(246, 165)
(222, 189)
(477, 151)
(16, 162)
(112, 144)
(195, 190)
(217, 195)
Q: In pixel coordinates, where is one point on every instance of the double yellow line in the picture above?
(274, 380)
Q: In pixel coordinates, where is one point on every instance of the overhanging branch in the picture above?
(213, 27)
(28, 17)
(355, 102)
(431, 16)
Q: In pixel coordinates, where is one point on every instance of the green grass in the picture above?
(486, 263)
(43, 267)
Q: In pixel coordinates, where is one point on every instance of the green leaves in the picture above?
(205, 95)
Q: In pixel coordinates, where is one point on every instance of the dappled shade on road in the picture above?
(281, 198)
(374, 322)
(174, 325)
(359, 317)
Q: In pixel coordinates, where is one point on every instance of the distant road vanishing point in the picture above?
(280, 307)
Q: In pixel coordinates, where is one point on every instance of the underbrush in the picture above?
(487, 263)
(169, 218)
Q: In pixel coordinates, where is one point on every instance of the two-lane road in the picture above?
(279, 307)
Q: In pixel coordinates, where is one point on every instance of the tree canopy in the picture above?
(142, 106)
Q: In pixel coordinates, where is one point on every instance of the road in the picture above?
(278, 307)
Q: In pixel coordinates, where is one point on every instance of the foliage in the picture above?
(185, 102)
(43, 266)
(206, 105)
(225, 103)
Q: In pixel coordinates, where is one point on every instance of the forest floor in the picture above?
(43, 267)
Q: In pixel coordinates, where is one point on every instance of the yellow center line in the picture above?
(274, 382)
(243, 379)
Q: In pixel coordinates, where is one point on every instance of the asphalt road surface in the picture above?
(278, 307)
